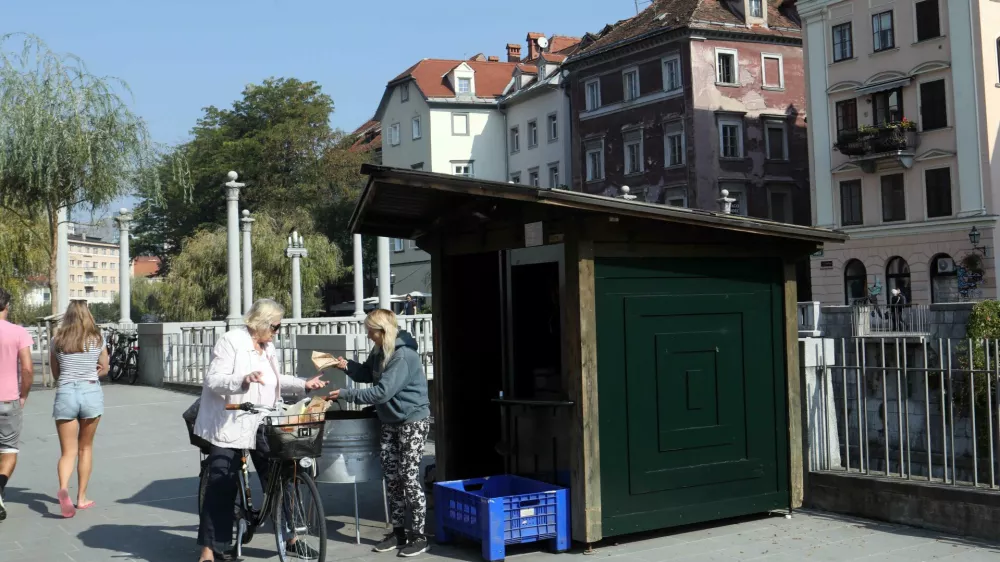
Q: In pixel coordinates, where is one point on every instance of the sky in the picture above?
(180, 56)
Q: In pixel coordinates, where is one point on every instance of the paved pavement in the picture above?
(145, 483)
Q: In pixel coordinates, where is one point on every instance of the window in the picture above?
(415, 124)
(463, 169)
(532, 133)
(882, 34)
(465, 85)
(937, 182)
(672, 80)
(460, 123)
(72, 278)
(554, 175)
(779, 204)
(843, 42)
(933, 106)
(855, 281)
(397, 245)
(114, 265)
(104, 280)
(633, 152)
(533, 178)
(777, 148)
(730, 139)
(850, 203)
(630, 83)
(515, 139)
(773, 70)
(725, 66)
(893, 198)
(887, 107)
(516, 177)
(394, 134)
(595, 160)
(114, 279)
(738, 194)
(404, 92)
(897, 276)
(756, 8)
(847, 115)
(673, 142)
(675, 197)
(553, 127)
(928, 20)
(593, 95)
(411, 244)
(944, 279)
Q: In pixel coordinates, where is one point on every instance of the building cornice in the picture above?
(923, 227)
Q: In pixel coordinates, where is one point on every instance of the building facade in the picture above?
(93, 269)
(690, 98)
(906, 107)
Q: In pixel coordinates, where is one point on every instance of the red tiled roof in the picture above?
(429, 74)
(145, 266)
(369, 136)
(552, 57)
(560, 43)
(702, 14)
(527, 68)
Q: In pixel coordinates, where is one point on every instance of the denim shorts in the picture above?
(78, 400)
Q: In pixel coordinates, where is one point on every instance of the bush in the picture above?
(983, 330)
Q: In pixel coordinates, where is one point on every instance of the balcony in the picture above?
(867, 145)
(877, 321)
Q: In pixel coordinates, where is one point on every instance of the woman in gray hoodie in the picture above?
(399, 394)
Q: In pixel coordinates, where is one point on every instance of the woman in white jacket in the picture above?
(243, 369)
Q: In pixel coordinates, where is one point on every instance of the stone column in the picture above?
(815, 30)
(61, 296)
(359, 278)
(245, 226)
(384, 278)
(296, 251)
(124, 220)
(233, 248)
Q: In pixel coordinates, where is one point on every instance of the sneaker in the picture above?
(392, 541)
(417, 545)
(302, 551)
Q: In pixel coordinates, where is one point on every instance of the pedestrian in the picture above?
(410, 307)
(15, 359)
(243, 369)
(79, 359)
(399, 393)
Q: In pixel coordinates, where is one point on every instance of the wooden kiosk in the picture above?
(645, 356)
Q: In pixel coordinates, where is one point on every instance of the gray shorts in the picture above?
(10, 426)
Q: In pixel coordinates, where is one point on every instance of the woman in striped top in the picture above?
(79, 358)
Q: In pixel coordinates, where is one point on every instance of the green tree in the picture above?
(24, 249)
(66, 138)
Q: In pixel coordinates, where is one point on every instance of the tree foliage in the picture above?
(25, 251)
(66, 137)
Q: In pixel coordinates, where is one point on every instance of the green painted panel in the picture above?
(691, 390)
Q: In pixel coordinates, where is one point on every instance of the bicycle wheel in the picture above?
(130, 371)
(115, 369)
(298, 516)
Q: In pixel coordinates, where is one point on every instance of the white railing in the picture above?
(189, 352)
(870, 320)
(808, 315)
(41, 336)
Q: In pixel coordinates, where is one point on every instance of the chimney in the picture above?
(532, 41)
(513, 52)
(494, 59)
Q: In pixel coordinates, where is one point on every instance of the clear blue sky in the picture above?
(183, 55)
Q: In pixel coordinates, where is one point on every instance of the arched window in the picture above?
(897, 273)
(855, 281)
(944, 279)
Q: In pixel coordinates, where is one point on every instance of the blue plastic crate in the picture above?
(502, 510)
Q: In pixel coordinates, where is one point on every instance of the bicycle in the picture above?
(124, 363)
(294, 444)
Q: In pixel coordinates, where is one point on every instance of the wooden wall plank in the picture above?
(796, 395)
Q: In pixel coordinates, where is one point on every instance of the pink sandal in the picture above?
(65, 505)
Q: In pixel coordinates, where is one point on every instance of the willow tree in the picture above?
(67, 138)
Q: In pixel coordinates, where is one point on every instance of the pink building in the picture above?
(904, 99)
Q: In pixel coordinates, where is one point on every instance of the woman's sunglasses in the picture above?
(276, 327)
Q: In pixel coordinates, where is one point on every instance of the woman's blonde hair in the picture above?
(384, 321)
(77, 330)
(262, 315)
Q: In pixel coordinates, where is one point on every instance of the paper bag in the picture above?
(323, 360)
(312, 412)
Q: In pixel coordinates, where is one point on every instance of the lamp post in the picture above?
(233, 248)
(61, 296)
(124, 220)
(296, 251)
(359, 278)
(974, 237)
(246, 223)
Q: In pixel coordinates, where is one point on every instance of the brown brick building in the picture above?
(691, 97)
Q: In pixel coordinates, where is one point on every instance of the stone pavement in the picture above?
(145, 484)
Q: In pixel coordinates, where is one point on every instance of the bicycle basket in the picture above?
(294, 437)
(190, 416)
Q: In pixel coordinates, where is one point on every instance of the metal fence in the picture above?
(910, 408)
(41, 336)
(897, 321)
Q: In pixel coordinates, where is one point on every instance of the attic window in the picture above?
(404, 92)
(465, 85)
(756, 8)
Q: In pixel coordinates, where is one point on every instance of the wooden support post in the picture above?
(797, 412)
(442, 435)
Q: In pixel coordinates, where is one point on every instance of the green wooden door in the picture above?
(691, 391)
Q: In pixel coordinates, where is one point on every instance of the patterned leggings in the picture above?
(402, 451)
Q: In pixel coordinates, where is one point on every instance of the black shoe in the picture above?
(3, 509)
(392, 541)
(302, 551)
(417, 545)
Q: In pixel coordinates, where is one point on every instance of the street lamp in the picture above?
(974, 236)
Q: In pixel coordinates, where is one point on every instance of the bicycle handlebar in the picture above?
(249, 407)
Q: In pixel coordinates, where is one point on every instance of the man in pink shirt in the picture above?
(15, 350)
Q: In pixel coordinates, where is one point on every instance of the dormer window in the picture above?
(541, 69)
(756, 8)
(404, 92)
(465, 85)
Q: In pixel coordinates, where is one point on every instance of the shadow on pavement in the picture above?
(42, 504)
(152, 543)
